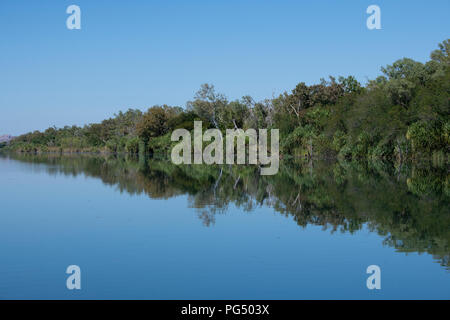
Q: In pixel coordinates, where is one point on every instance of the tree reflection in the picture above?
(407, 205)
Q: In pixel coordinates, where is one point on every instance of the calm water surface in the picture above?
(146, 229)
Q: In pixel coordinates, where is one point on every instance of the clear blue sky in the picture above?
(141, 53)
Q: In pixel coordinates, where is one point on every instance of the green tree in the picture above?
(155, 122)
(209, 105)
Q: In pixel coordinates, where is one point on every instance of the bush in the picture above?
(363, 143)
(424, 136)
(132, 145)
(383, 150)
(339, 140)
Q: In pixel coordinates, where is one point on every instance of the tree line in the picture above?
(402, 114)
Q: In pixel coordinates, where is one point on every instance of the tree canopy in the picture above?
(402, 114)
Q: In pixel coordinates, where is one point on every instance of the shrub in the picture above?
(132, 145)
(424, 136)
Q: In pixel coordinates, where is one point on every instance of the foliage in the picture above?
(403, 114)
(155, 122)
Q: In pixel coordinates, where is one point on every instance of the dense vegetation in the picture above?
(407, 204)
(402, 114)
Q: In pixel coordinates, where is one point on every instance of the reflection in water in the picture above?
(407, 205)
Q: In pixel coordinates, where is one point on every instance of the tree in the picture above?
(299, 99)
(155, 122)
(350, 84)
(404, 76)
(441, 55)
(209, 105)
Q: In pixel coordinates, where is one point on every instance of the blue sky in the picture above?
(141, 53)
